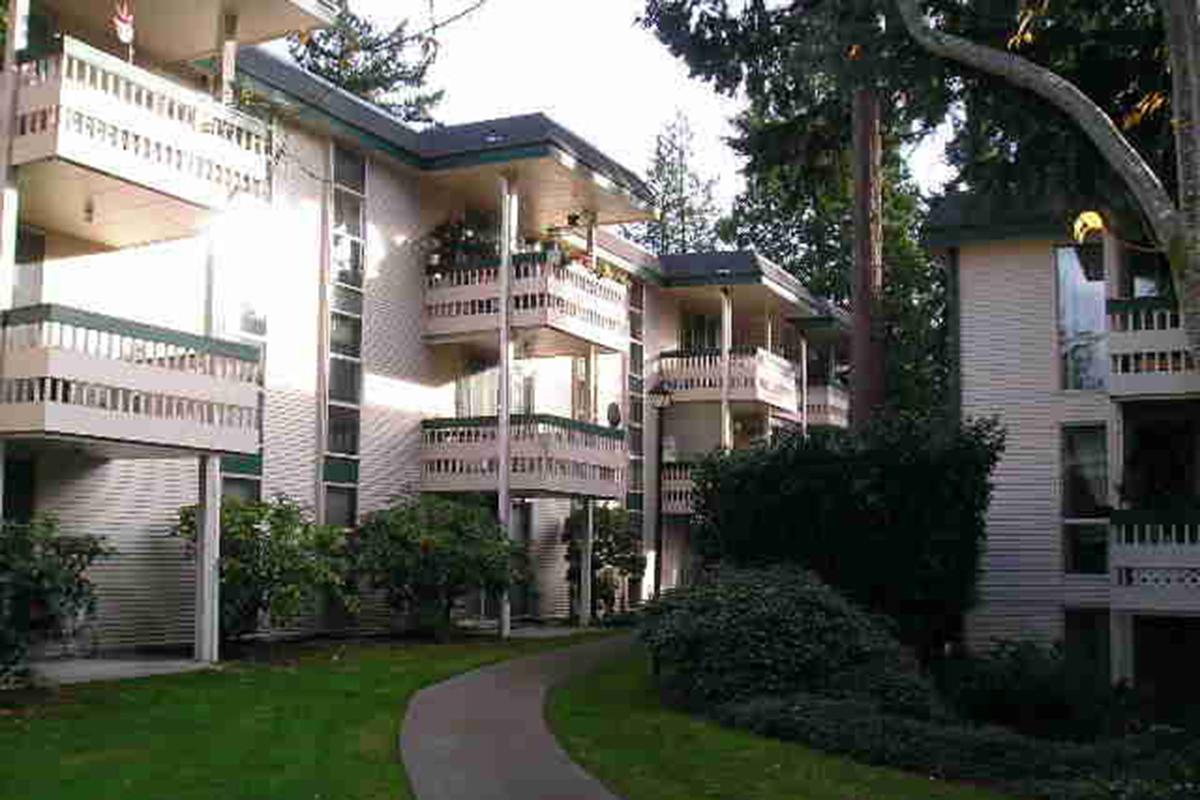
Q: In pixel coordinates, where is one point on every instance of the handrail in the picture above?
(616, 434)
(1165, 516)
(49, 312)
(1128, 305)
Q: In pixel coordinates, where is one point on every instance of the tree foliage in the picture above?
(892, 517)
(687, 211)
(429, 551)
(616, 553)
(43, 586)
(274, 563)
(386, 68)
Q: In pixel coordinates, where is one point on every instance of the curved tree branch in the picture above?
(1138, 175)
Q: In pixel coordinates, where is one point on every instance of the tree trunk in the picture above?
(866, 345)
(1176, 228)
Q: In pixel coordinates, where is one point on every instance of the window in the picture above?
(345, 335)
(1085, 499)
(1082, 326)
(1086, 645)
(341, 504)
(347, 301)
(700, 332)
(248, 490)
(343, 380)
(343, 430)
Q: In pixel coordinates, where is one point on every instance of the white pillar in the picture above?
(508, 229)
(726, 361)
(18, 17)
(228, 35)
(208, 554)
(1120, 642)
(804, 386)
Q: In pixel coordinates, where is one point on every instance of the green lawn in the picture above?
(613, 724)
(323, 723)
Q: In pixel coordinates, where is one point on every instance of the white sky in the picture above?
(587, 65)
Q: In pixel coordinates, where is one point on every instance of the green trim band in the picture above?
(1168, 516)
(616, 434)
(47, 312)
(242, 465)
(1140, 304)
(340, 470)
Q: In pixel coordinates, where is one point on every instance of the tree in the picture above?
(429, 551)
(687, 211)
(616, 553)
(275, 563)
(378, 66)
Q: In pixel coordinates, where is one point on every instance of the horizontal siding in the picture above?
(1010, 370)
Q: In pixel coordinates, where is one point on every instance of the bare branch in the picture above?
(1120, 154)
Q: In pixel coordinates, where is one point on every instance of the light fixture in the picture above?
(89, 210)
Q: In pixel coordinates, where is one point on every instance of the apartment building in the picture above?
(1092, 533)
(281, 290)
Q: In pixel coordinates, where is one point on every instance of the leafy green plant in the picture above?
(429, 551)
(275, 562)
(617, 555)
(43, 586)
(775, 631)
(893, 517)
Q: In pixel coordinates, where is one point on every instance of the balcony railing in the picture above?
(828, 406)
(546, 293)
(68, 372)
(1148, 349)
(85, 106)
(550, 456)
(1155, 560)
(755, 375)
(678, 488)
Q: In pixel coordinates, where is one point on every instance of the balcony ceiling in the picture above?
(179, 30)
(551, 188)
(55, 196)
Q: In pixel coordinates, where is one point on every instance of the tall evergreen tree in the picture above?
(386, 68)
(688, 214)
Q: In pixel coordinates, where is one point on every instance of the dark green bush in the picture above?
(773, 631)
(893, 517)
(1034, 689)
(274, 561)
(43, 586)
(1143, 767)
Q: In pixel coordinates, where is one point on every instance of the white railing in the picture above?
(1148, 351)
(678, 488)
(545, 293)
(1155, 559)
(755, 374)
(86, 105)
(828, 406)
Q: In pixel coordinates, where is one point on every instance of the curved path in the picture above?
(483, 735)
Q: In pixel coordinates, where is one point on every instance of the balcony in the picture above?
(551, 456)
(561, 306)
(756, 376)
(828, 406)
(678, 489)
(1148, 350)
(102, 143)
(77, 375)
(1155, 561)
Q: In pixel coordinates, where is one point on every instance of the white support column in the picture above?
(208, 554)
(229, 47)
(726, 366)
(18, 19)
(508, 228)
(804, 385)
(1120, 642)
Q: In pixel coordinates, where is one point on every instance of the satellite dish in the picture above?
(614, 415)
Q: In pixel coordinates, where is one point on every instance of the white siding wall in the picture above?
(1010, 369)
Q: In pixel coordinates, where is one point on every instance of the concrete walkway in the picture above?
(483, 736)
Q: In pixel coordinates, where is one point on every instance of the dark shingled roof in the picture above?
(436, 147)
(702, 269)
(960, 217)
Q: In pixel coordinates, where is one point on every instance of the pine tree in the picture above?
(687, 211)
(386, 68)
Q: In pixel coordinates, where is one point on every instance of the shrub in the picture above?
(775, 631)
(892, 517)
(616, 555)
(429, 551)
(1144, 767)
(43, 586)
(274, 562)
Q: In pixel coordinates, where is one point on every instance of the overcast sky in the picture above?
(587, 65)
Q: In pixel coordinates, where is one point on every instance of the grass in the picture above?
(613, 724)
(322, 724)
